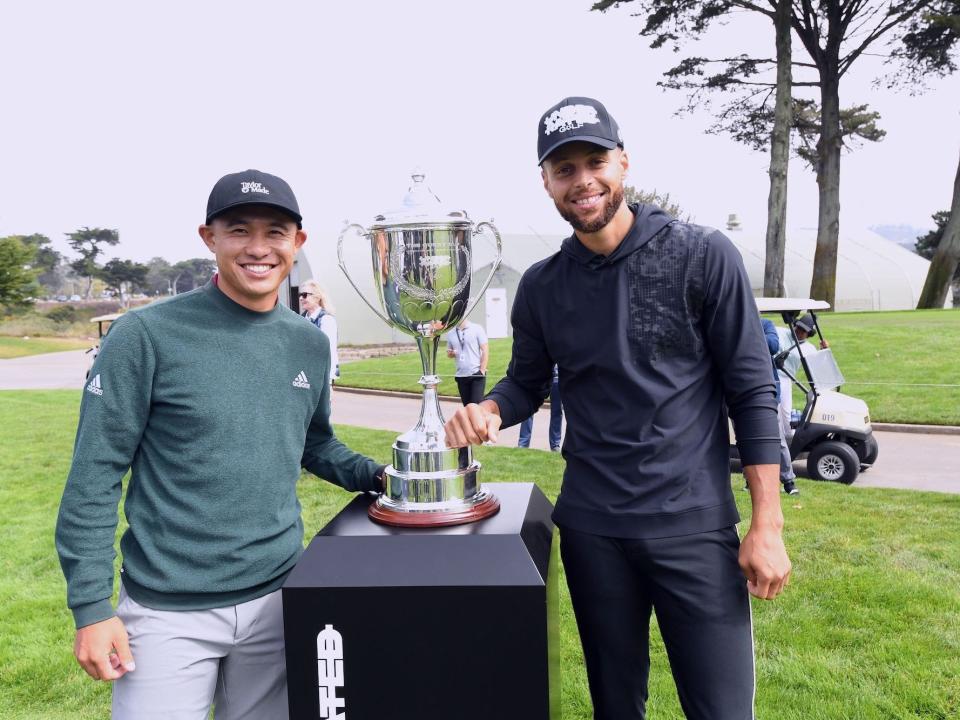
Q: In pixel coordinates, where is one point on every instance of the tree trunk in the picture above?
(824, 283)
(88, 294)
(945, 259)
(779, 159)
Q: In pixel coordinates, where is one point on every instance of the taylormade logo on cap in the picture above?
(246, 187)
(576, 119)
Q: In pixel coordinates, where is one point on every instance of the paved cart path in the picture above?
(49, 371)
(907, 460)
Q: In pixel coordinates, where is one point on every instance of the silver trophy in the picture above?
(422, 265)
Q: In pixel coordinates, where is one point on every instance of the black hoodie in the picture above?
(655, 343)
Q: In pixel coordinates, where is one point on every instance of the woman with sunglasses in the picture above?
(316, 307)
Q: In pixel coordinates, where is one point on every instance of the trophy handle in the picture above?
(494, 267)
(343, 267)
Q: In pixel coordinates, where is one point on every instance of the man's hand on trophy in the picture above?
(473, 425)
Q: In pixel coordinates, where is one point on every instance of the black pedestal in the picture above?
(450, 623)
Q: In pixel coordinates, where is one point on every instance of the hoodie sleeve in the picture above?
(770, 335)
(735, 342)
(530, 372)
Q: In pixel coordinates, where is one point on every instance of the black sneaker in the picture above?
(790, 488)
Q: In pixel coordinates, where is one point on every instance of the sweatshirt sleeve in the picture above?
(530, 372)
(325, 456)
(736, 344)
(770, 335)
(113, 413)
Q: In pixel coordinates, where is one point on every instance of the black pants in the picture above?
(471, 388)
(699, 594)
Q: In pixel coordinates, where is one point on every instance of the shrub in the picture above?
(63, 314)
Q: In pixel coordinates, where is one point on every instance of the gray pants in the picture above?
(786, 461)
(232, 658)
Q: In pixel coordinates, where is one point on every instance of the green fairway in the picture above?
(869, 627)
(904, 365)
(18, 347)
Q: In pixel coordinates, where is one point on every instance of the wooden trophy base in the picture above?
(420, 519)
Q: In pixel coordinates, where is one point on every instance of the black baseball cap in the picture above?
(804, 323)
(252, 187)
(576, 118)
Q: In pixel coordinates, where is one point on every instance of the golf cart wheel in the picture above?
(870, 451)
(833, 461)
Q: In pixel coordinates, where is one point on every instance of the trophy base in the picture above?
(483, 505)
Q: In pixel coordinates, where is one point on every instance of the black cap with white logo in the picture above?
(252, 187)
(573, 119)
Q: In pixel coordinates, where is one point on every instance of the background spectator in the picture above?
(315, 305)
(556, 417)
(791, 364)
(467, 344)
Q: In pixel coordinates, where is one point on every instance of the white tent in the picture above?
(872, 273)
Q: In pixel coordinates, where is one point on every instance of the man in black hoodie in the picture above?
(653, 326)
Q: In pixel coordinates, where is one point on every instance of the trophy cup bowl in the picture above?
(422, 267)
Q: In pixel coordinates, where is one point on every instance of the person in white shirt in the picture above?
(791, 363)
(316, 307)
(468, 345)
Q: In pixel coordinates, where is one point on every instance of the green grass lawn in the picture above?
(18, 347)
(869, 628)
(904, 365)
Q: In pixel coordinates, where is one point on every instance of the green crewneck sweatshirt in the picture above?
(214, 408)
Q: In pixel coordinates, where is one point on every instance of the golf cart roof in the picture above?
(105, 318)
(765, 304)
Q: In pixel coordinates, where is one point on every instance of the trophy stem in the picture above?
(428, 357)
(430, 485)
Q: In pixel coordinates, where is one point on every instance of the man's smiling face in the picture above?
(585, 182)
(255, 246)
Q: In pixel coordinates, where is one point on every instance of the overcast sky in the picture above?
(118, 115)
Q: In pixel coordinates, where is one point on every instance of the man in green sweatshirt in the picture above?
(214, 400)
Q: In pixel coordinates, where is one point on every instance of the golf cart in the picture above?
(833, 430)
(101, 321)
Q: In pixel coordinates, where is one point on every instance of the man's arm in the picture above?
(484, 358)
(518, 395)
(113, 414)
(770, 335)
(738, 350)
(763, 555)
(325, 456)
(474, 424)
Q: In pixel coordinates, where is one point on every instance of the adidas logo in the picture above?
(94, 385)
(299, 381)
